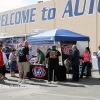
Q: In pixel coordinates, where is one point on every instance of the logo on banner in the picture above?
(67, 48)
(39, 72)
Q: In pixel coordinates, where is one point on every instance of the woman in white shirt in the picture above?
(12, 62)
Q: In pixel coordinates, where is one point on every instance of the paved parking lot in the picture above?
(86, 89)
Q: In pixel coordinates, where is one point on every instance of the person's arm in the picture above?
(89, 54)
(17, 53)
(46, 59)
(73, 56)
(39, 60)
(27, 54)
(27, 57)
(5, 59)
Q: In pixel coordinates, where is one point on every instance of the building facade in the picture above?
(82, 16)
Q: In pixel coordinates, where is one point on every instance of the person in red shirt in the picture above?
(1, 63)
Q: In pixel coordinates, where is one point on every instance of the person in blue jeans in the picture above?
(98, 57)
(12, 62)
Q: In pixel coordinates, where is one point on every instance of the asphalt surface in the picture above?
(85, 89)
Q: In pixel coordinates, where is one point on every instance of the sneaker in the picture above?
(20, 80)
(2, 81)
(48, 82)
(24, 82)
(58, 82)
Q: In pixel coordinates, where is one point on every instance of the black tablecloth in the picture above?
(41, 72)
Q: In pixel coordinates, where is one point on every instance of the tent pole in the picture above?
(54, 43)
(88, 43)
(61, 54)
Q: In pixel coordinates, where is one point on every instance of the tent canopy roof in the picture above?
(58, 35)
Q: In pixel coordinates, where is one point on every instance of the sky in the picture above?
(6, 5)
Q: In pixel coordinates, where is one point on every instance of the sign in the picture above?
(39, 71)
(13, 42)
(29, 15)
(66, 49)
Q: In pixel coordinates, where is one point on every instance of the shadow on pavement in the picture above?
(35, 82)
(71, 85)
(9, 84)
(90, 81)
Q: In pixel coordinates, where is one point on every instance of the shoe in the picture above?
(48, 82)
(5, 78)
(58, 82)
(14, 76)
(20, 80)
(2, 81)
(24, 82)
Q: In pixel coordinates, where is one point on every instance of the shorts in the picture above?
(1, 69)
(12, 66)
(23, 66)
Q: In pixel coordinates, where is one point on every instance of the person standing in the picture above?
(75, 63)
(23, 62)
(98, 57)
(1, 63)
(40, 56)
(87, 58)
(12, 62)
(52, 60)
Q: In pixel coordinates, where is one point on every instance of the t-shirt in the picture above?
(12, 55)
(98, 54)
(22, 52)
(1, 59)
(53, 56)
(41, 56)
(86, 57)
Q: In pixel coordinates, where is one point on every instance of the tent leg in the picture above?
(88, 43)
(54, 43)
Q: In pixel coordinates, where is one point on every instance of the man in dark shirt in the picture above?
(52, 59)
(75, 63)
(23, 63)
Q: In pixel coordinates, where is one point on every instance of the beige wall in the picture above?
(15, 29)
(85, 24)
(39, 24)
(2, 29)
